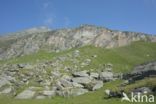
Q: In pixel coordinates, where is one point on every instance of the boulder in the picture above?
(3, 82)
(94, 75)
(77, 85)
(80, 74)
(21, 65)
(106, 76)
(6, 91)
(40, 97)
(26, 94)
(82, 80)
(143, 90)
(72, 92)
(66, 83)
(49, 93)
(59, 86)
(98, 85)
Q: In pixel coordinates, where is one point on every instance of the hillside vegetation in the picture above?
(123, 59)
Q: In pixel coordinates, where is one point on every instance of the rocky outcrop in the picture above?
(32, 40)
(141, 71)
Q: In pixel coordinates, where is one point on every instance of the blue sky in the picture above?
(128, 15)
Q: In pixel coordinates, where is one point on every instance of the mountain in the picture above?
(75, 66)
(35, 39)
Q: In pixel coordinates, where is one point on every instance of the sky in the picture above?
(125, 15)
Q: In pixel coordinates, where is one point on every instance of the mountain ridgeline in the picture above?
(35, 39)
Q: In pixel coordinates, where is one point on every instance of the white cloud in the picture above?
(48, 21)
(47, 12)
(46, 5)
(67, 21)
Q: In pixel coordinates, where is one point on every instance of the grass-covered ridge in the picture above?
(122, 58)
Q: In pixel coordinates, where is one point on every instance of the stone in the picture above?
(26, 94)
(94, 56)
(78, 91)
(6, 90)
(107, 92)
(80, 74)
(55, 74)
(82, 80)
(94, 75)
(76, 53)
(143, 90)
(49, 93)
(87, 61)
(115, 94)
(59, 86)
(98, 85)
(21, 65)
(3, 82)
(77, 85)
(65, 83)
(106, 76)
(40, 97)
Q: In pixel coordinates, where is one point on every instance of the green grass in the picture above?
(148, 82)
(96, 97)
(123, 60)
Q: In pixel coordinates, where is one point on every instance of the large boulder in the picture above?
(98, 85)
(94, 75)
(66, 83)
(3, 81)
(106, 76)
(80, 74)
(49, 93)
(82, 80)
(94, 85)
(26, 94)
(77, 85)
(6, 90)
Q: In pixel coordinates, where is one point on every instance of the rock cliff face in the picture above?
(32, 40)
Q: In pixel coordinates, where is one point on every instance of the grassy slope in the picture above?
(123, 59)
(97, 97)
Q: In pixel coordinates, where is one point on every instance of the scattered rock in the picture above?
(6, 90)
(49, 93)
(26, 94)
(78, 91)
(106, 76)
(76, 53)
(94, 75)
(82, 80)
(40, 97)
(98, 85)
(143, 90)
(77, 85)
(65, 83)
(80, 74)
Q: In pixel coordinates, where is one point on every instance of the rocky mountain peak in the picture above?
(34, 39)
